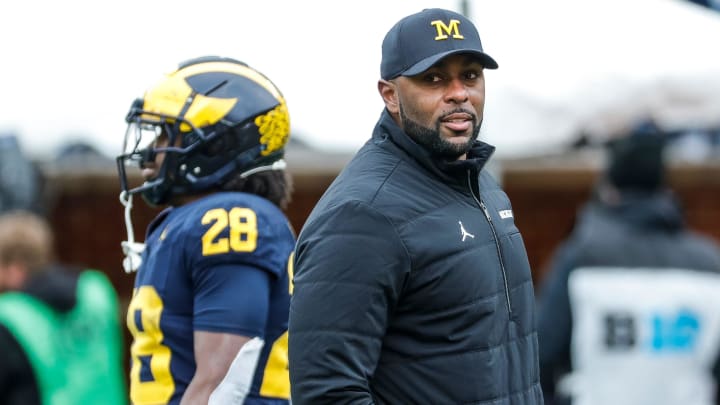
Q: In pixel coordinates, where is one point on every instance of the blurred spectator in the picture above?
(20, 185)
(81, 155)
(60, 334)
(628, 309)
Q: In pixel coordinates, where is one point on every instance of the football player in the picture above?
(210, 302)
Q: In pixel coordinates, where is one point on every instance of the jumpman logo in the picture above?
(464, 233)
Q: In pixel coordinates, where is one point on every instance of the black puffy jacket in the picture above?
(412, 285)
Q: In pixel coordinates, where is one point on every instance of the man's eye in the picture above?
(432, 78)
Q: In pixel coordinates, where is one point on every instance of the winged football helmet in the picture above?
(221, 118)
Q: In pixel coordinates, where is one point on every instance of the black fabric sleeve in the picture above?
(349, 268)
(555, 321)
(17, 380)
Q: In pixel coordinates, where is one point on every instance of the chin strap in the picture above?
(132, 250)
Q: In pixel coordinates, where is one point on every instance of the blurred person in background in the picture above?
(209, 310)
(21, 184)
(628, 310)
(60, 333)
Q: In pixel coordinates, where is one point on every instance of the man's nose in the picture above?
(457, 91)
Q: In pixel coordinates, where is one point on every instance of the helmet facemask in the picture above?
(147, 137)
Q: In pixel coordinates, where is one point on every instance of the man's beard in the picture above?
(433, 142)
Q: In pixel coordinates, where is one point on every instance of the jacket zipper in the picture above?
(485, 211)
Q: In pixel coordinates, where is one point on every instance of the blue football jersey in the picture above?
(218, 264)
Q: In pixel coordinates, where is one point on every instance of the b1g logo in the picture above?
(674, 332)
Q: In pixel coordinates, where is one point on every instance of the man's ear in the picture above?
(388, 92)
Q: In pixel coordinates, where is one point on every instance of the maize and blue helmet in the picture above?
(221, 117)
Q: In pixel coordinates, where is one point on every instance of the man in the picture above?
(412, 284)
(60, 334)
(628, 309)
(210, 304)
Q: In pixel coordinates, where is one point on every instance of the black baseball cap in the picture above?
(420, 40)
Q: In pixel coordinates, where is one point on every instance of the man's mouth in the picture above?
(458, 122)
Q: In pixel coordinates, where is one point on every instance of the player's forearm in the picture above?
(199, 390)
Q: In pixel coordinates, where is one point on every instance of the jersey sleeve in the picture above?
(232, 299)
(236, 245)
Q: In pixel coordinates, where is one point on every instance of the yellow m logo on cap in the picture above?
(444, 30)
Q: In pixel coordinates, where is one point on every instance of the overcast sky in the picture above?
(71, 68)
